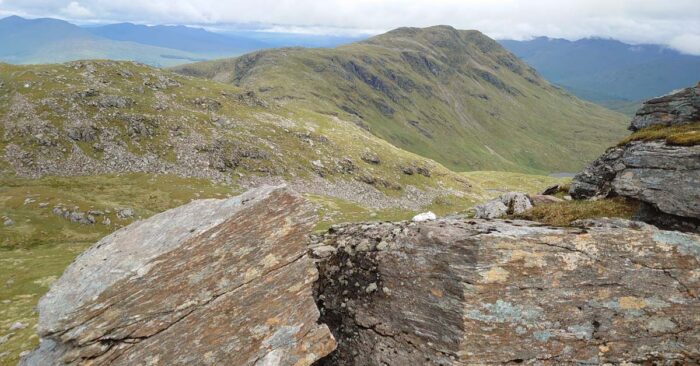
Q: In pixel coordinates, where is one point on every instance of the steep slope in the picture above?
(195, 40)
(609, 72)
(25, 41)
(454, 96)
(105, 117)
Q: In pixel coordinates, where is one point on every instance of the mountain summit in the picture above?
(455, 96)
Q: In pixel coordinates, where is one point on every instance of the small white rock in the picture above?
(371, 288)
(425, 216)
(18, 325)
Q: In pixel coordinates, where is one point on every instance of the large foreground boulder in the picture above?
(475, 292)
(238, 282)
(215, 282)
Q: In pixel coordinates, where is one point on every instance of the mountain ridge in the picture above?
(415, 86)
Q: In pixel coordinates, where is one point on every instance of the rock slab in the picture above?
(678, 108)
(476, 292)
(212, 282)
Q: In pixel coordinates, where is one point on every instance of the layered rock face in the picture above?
(455, 292)
(678, 108)
(217, 282)
(664, 177)
(238, 282)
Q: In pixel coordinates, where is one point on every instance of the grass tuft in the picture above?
(678, 135)
(563, 213)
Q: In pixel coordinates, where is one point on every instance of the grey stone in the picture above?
(511, 203)
(491, 210)
(475, 292)
(125, 213)
(674, 109)
(516, 202)
(220, 282)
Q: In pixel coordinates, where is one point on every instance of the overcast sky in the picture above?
(675, 23)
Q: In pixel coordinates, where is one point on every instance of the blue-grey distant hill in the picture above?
(195, 40)
(46, 40)
(609, 72)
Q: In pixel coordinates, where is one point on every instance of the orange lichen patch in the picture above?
(632, 303)
(495, 275)
(437, 292)
(530, 259)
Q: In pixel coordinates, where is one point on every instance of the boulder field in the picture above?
(242, 282)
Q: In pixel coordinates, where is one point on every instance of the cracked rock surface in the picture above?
(225, 282)
(665, 178)
(475, 292)
(238, 282)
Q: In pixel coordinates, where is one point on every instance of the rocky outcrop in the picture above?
(511, 203)
(678, 108)
(665, 178)
(224, 282)
(474, 292)
(238, 282)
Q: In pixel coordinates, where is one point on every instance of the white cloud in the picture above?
(637, 21)
(75, 10)
(687, 43)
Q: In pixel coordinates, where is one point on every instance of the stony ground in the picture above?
(40, 243)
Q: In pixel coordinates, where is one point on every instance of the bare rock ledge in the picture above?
(238, 282)
(476, 292)
(214, 282)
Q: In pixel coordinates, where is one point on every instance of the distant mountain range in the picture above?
(35, 41)
(47, 40)
(609, 72)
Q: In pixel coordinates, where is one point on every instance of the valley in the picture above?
(369, 134)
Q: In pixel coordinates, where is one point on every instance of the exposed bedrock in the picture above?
(214, 282)
(238, 282)
(678, 108)
(664, 177)
(453, 292)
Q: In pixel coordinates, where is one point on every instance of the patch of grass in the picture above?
(492, 184)
(679, 135)
(563, 213)
(35, 250)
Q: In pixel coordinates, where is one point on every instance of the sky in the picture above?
(674, 23)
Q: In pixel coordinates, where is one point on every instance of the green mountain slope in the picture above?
(454, 96)
(92, 118)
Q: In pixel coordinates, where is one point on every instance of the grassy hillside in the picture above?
(454, 96)
(101, 136)
(103, 117)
